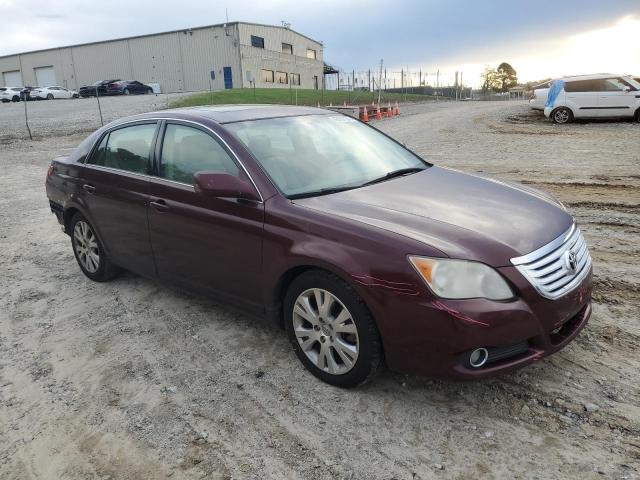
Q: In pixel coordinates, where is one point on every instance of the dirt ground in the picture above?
(136, 380)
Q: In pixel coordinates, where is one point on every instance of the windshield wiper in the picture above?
(322, 191)
(393, 174)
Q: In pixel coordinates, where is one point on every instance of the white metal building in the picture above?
(234, 54)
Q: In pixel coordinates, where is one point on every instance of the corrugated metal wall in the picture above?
(178, 61)
(271, 57)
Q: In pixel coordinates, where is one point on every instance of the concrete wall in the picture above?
(178, 61)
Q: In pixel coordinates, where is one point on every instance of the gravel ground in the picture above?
(135, 380)
(64, 117)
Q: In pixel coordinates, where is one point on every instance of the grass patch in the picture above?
(286, 96)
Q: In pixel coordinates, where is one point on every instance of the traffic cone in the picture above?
(364, 116)
(344, 103)
(318, 104)
(389, 111)
(397, 112)
(378, 113)
(330, 104)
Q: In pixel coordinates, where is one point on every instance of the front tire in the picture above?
(331, 329)
(89, 251)
(561, 115)
(50, 96)
(126, 91)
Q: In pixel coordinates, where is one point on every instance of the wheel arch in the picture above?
(286, 278)
(69, 213)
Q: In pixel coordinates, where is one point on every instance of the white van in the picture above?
(593, 96)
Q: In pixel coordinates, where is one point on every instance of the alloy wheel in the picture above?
(86, 246)
(561, 116)
(325, 331)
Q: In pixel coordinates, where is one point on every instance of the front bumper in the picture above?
(434, 337)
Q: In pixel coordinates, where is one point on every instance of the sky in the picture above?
(540, 38)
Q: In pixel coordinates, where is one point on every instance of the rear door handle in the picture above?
(160, 205)
(88, 188)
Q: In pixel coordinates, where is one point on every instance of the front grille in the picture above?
(558, 267)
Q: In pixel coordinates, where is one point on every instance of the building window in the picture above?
(281, 77)
(295, 79)
(257, 42)
(266, 76)
(311, 53)
(287, 48)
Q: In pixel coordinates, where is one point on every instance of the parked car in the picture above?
(10, 94)
(593, 96)
(126, 87)
(100, 87)
(361, 249)
(25, 93)
(55, 92)
(539, 96)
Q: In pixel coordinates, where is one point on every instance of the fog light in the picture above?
(478, 357)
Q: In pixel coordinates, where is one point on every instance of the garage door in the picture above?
(12, 79)
(45, 76)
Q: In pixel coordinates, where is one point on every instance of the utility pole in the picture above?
(380, 82)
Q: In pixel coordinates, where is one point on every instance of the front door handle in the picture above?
(160, 205)
(88, 188)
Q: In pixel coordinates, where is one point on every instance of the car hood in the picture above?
(463, 215)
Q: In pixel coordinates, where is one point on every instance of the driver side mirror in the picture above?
(626, 88)
(224, 185)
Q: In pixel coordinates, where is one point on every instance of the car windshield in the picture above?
(318, 154)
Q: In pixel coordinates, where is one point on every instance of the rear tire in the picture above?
(561, 115)
(637, 117)
(126, 91)
(150, 91)
(339, 344)
(49, 96)
(89, 252)
(15, 98)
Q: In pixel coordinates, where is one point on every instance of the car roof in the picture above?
(593, 76)
(237, 113)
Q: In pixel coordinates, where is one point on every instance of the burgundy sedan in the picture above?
(361, 249)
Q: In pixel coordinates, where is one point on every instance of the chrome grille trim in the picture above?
(546, 268)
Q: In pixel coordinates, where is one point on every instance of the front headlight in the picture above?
(449, 278)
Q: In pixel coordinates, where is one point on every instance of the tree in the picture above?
(506, 77)
(488, 79)
(499, 79)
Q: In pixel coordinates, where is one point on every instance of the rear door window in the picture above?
(187, 150)
(582, 86)
(126, 149)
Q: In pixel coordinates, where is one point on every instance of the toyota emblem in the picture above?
(571, 261)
